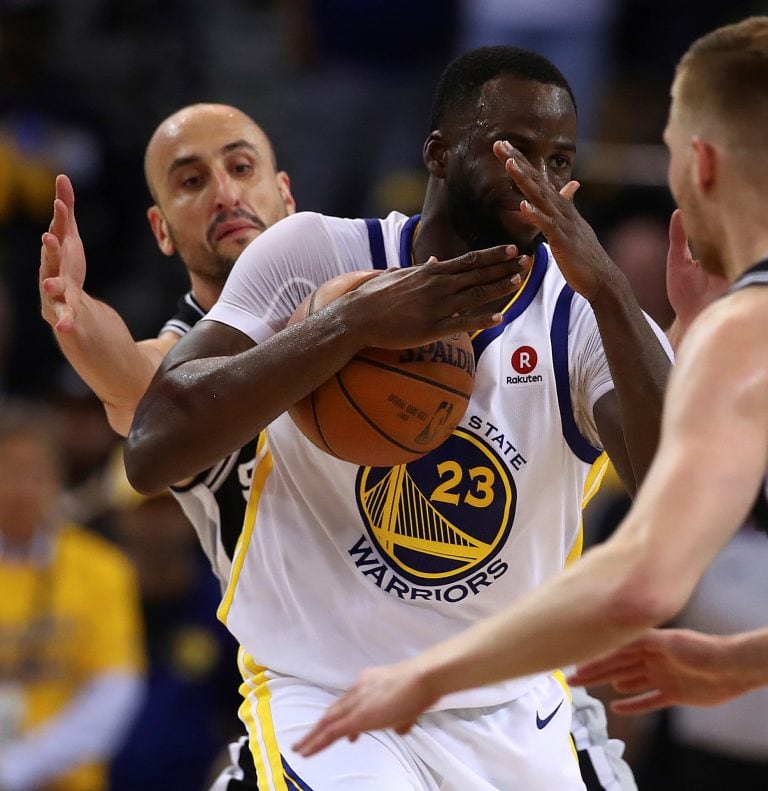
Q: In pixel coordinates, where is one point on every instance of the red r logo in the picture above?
(524, 359)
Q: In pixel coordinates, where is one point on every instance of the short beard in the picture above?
(209, 266)
(478, 227)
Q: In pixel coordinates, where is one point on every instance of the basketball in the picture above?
(386, 407)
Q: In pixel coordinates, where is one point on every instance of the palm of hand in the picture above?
(62, 261)
(689, 288)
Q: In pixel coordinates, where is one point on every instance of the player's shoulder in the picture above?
(738, 316)
(307, 230)
(360, 228)
(308, 221)
(729, 337)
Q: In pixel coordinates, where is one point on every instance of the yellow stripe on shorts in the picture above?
(256, 713)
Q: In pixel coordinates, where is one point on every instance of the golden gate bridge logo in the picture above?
(441, 516)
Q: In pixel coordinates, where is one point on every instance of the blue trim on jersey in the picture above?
(539, 269)
(406, 239)
(293, 777)
(559, 339)
(376, 243)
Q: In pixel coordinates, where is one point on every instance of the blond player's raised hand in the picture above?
(62, 262)
(689, 288)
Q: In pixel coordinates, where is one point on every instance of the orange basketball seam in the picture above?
(390, 439)
(410, 375)
(318, 425)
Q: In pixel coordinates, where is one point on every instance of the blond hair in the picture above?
(722, 81)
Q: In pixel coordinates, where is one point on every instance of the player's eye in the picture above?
(242, 168)
(191, 182)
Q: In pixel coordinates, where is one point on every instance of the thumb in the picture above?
(570, 189)
(678, 239)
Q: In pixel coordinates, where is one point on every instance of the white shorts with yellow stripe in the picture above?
(522, 745)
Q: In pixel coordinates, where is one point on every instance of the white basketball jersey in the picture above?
(340, 567)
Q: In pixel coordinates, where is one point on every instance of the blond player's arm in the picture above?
(700, 487)
(91, 334)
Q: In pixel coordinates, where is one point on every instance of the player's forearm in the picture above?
(103, 352)
(639, 367)
(197, 411)
(584, 611)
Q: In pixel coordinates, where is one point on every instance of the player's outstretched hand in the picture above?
(391, 696)
(62, 262)
(406, 307)
(689, 288)
(581, 258)
(665, 667)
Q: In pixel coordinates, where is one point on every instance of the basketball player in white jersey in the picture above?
(328, 573)
(710, 470)
(212, 174)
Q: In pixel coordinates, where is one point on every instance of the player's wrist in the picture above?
(745, 659)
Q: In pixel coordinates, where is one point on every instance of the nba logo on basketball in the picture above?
(524, 361)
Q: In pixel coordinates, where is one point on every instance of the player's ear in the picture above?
(705, 163)
(284, 186)
(436, 154)
(160, 230)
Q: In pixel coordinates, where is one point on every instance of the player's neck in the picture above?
(746, 244)
(436, 237)
(205, 292)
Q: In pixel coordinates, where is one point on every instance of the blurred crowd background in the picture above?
(343, 88)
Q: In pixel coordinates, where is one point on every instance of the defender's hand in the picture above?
(689, 288)
(62, 262)
(665, 667)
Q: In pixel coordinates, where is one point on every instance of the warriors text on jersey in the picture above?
(340, 567)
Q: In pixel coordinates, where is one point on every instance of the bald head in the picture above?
(192, 123)
(212, 174)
